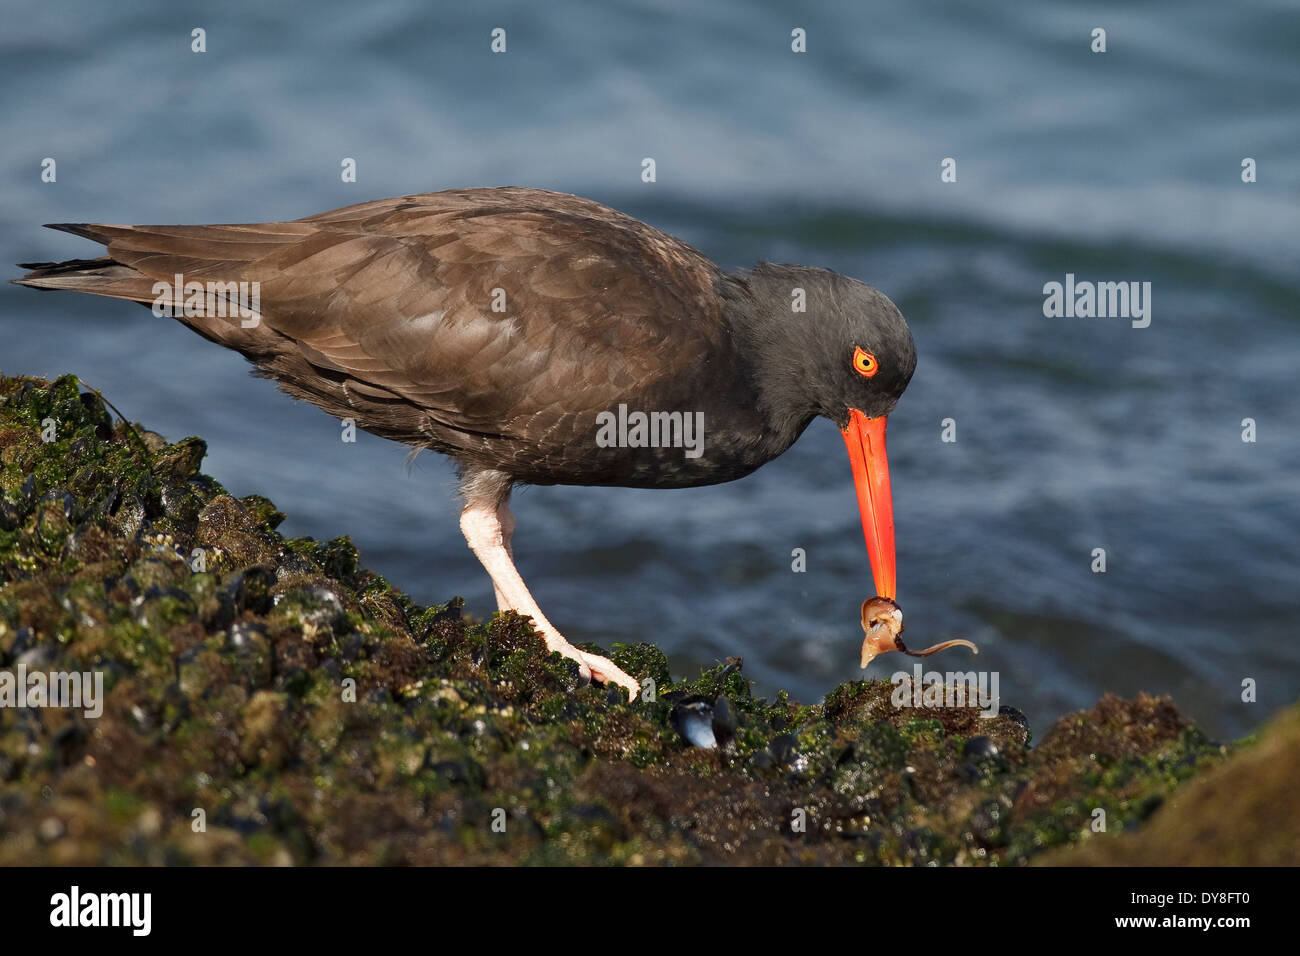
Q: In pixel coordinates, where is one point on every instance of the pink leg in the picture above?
(488, 528)
(506, 519)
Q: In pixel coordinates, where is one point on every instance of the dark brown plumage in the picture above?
(495, 325)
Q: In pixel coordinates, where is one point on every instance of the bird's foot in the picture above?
(605, 671)
(593, 667)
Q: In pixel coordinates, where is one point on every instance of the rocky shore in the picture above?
(270, 701)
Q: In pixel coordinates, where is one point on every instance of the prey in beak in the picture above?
(882, 618)
(882, 623)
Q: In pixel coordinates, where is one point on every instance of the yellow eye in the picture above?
(864, 363)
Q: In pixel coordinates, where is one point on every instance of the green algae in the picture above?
(269, 700)
(1238, 812)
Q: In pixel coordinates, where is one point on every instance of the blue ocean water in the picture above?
(1072, 434)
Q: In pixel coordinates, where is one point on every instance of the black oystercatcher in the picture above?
(535, 337)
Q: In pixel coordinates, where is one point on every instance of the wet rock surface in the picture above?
(269, 700)
(1242, 812)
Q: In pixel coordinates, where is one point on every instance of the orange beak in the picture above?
(865, 438)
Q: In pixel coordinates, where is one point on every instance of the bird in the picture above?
(534, 337)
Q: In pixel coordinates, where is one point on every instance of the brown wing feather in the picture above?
(383, 311)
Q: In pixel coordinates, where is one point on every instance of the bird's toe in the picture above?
(605, 671)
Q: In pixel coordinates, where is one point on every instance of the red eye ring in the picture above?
(864, 363)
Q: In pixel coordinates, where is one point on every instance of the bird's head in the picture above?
(833, 346)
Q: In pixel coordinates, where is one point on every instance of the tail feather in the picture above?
(102, 276)
(86, 230)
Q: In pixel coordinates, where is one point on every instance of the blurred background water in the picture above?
(1073, 434)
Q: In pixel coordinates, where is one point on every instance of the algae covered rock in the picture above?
(1243, 812)
(269, 700)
